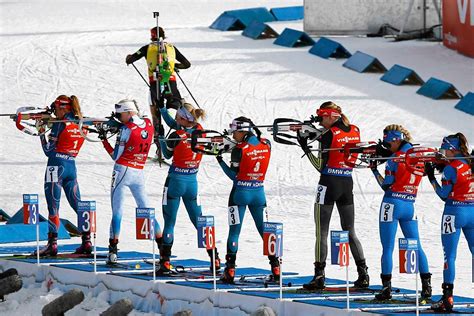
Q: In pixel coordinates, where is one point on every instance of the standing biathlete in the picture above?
(335, 186)
(181, 182)
(130, 154)
(400, 186)
(174, 60)
(457, 190)
(248, 166)
(63, 145)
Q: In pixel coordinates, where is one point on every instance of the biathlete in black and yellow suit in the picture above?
(181, 182)
(335, 186)
(175, 60)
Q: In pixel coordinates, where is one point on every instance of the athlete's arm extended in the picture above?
(447, 180)
(169, 120)
(390, 169)
(232, 170)
(49, 145)
(167, 147)
(321, 159)
(137, 55)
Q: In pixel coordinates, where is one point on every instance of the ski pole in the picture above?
(179, 76)
(141, 75)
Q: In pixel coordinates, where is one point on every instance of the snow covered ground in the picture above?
(79, 47)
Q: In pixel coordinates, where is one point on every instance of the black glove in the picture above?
(373, 165)
(382, 149)
(429, 170)
(303, 141)
(128, 59)
(219, 157)
(102, 134)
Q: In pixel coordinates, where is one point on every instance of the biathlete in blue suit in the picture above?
(248, 166)
(181, 182)
(130, 153)
(62, 146)
(457, 190)
(400, 186)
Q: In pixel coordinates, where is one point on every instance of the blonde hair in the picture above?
(399, 128)
(198, 114)
(334, 106)
(74, 103)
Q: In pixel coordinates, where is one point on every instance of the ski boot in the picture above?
(445, 304)
(217, 261)
(112, 256)
(165, 265)
(425, 286)
(275, 264)
(86, 246)
(51, 249)
(386, 292)
(363, 279)
(319, 279)
(229, 271)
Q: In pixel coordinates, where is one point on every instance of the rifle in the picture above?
(284, 128)
(210, 142)
(41, 117)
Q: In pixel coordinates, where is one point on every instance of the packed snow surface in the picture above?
(79, 47)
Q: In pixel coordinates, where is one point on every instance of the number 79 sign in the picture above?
(145, 221)
(273, 239)
(408, 255)
(86, 216)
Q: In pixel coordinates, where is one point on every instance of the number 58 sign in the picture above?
(273, 239)
(86, 216)
(145, 221)
(408, 255)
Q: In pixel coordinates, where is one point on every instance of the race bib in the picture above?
(52, 174)
(447, 226)
(321, 194)
(115, 176)
(386, 212)
(234, 218)
(165, 196)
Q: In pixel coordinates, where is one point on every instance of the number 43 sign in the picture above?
(86, 216)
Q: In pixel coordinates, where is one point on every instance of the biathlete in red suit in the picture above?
(62, 146)
(248, 166)
(457, 190)
(130, 155)
(335, 186)
(400, 186)
(181, 183)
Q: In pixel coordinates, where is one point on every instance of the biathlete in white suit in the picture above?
(130, 154)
